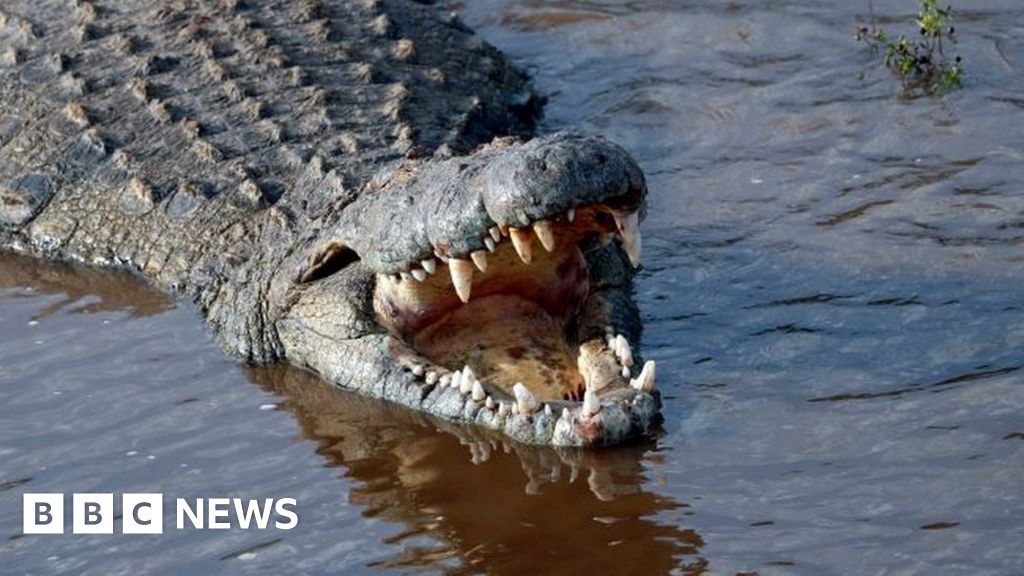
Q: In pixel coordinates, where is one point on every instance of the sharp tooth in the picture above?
(419, 274)
(565, 415)
(467, 381)
(591, 405)
(624, 352)
(430, 265)
(405, 275)
(417, 371)
(495, 233)
(444, 380)
(571, 215)
(547, 410)
(526, 403)
(489, 243)
(629, 227)
(503, 409)
(462, 277)
(431, 377)
(546, 235)
(480, 259)
(625, 372)
(478, 391)
(522, 241)
(489, 403)
(645, 381)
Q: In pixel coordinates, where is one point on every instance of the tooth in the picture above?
(431, 377)
(417, 371)
(546, 235)
(629, 227)
(444, 380)
(480, 259)
(625, 372)
(624, 352)
(404, 275)
(571, 215)
(522, 242)
(478, 391)
(467, 381)
(526, 403)
(462, 277)
(495, 233)
(547, 410)
(489, 243)
(489, 403)
(419, 274)
(456, 380)
(591, 405)
(565, 415)
(503, 409)
(430, 265)
(645, 381)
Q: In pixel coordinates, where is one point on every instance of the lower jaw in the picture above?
(386, 366)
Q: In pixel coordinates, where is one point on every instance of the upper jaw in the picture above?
(447, 208)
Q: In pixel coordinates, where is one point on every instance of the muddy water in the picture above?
(832, 290)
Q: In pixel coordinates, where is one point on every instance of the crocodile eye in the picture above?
(332, 259)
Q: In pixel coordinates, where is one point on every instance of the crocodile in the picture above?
(352, 187)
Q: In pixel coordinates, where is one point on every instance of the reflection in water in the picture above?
(91, 289)
(509, 508)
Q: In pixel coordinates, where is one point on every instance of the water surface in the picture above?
(831, 289)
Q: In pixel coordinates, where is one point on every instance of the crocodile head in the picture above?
(492, 289)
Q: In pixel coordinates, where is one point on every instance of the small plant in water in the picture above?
(921, 64)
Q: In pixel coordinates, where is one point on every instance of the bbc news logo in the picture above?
(144, 513)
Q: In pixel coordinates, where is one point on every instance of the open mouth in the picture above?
(493, 289)
(514, 324)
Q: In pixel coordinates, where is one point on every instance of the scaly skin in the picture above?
(274, 160)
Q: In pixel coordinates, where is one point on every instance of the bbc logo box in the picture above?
(93, 514)
(144, 513)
